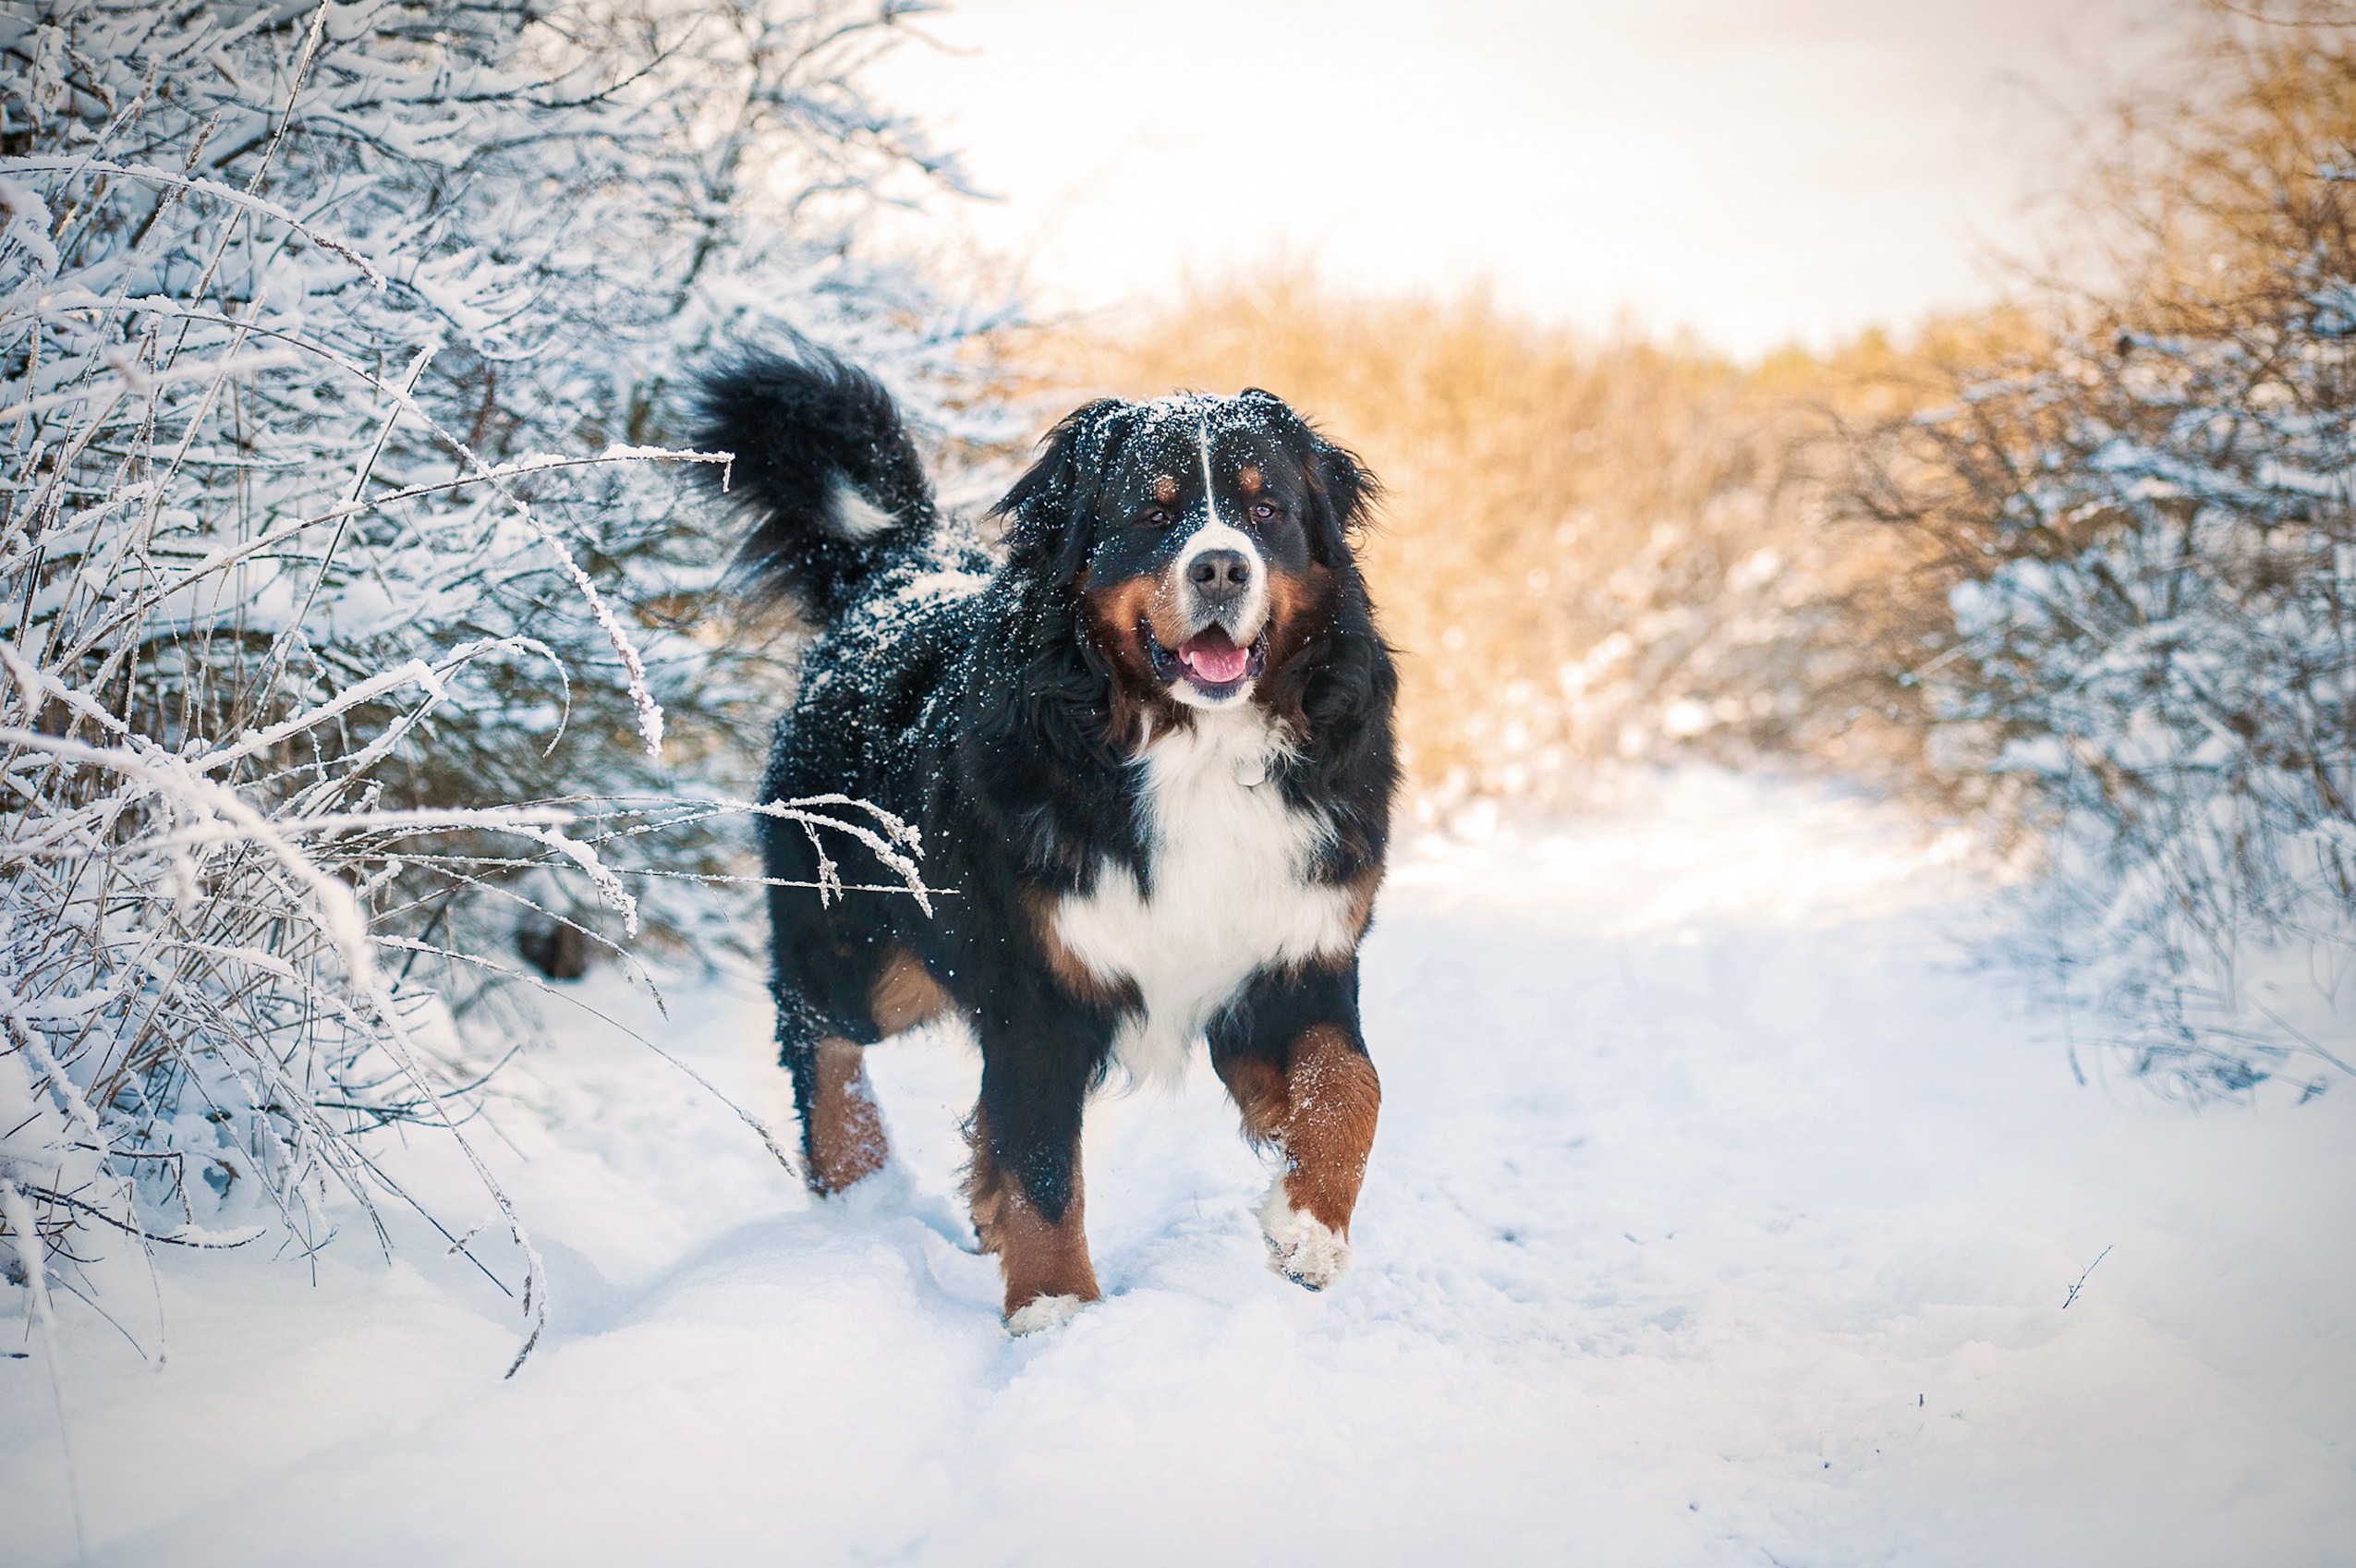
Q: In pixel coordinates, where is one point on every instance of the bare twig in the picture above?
(2081, 1282)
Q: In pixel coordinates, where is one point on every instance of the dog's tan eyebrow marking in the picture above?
(1165, 489)
(1248, 479)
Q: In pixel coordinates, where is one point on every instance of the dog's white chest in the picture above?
(1229, 890)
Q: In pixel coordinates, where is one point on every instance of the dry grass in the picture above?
(1590, 550)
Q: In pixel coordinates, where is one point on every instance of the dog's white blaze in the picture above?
(1216, 534)
(1230, 894)
(855, 516)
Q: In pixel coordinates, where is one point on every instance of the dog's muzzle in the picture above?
(1221, 596)
(1219, 589)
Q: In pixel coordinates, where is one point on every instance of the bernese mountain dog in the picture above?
(1148, 742)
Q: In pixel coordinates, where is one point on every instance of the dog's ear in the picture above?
(1047, 511)
(1341, 490)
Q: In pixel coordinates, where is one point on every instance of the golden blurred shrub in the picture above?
(1590, 551)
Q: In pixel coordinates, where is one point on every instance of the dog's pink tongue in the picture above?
(1215, 663)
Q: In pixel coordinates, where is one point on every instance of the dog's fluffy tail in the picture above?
(824, 469)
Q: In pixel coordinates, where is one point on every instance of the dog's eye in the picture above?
(1156, 519)
(1262, 511)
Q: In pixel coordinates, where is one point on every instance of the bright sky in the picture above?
(1759, 172)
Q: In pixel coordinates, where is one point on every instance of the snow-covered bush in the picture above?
(2147, 523)
(347, 610)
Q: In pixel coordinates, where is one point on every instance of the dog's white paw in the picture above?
(1302, 1247)
(1043, 1312)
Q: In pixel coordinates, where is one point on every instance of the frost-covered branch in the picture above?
(347, 604)
(2148, 520)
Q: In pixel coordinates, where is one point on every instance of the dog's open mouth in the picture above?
(1209, 661)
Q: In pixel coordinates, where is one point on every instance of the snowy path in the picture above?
(1717, 1216)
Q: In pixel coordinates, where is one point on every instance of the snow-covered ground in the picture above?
(1721, 1213)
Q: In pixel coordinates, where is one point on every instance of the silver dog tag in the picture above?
(1251, 770)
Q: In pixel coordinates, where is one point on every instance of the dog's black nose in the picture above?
(1219, 576)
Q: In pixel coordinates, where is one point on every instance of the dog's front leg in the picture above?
(1024, 1182)
(1291, 1055)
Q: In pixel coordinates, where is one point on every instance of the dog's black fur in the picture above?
(1003, 706)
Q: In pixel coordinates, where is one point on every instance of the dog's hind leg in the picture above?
(843, 1137)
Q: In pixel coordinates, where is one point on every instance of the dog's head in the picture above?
(1204, 536)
